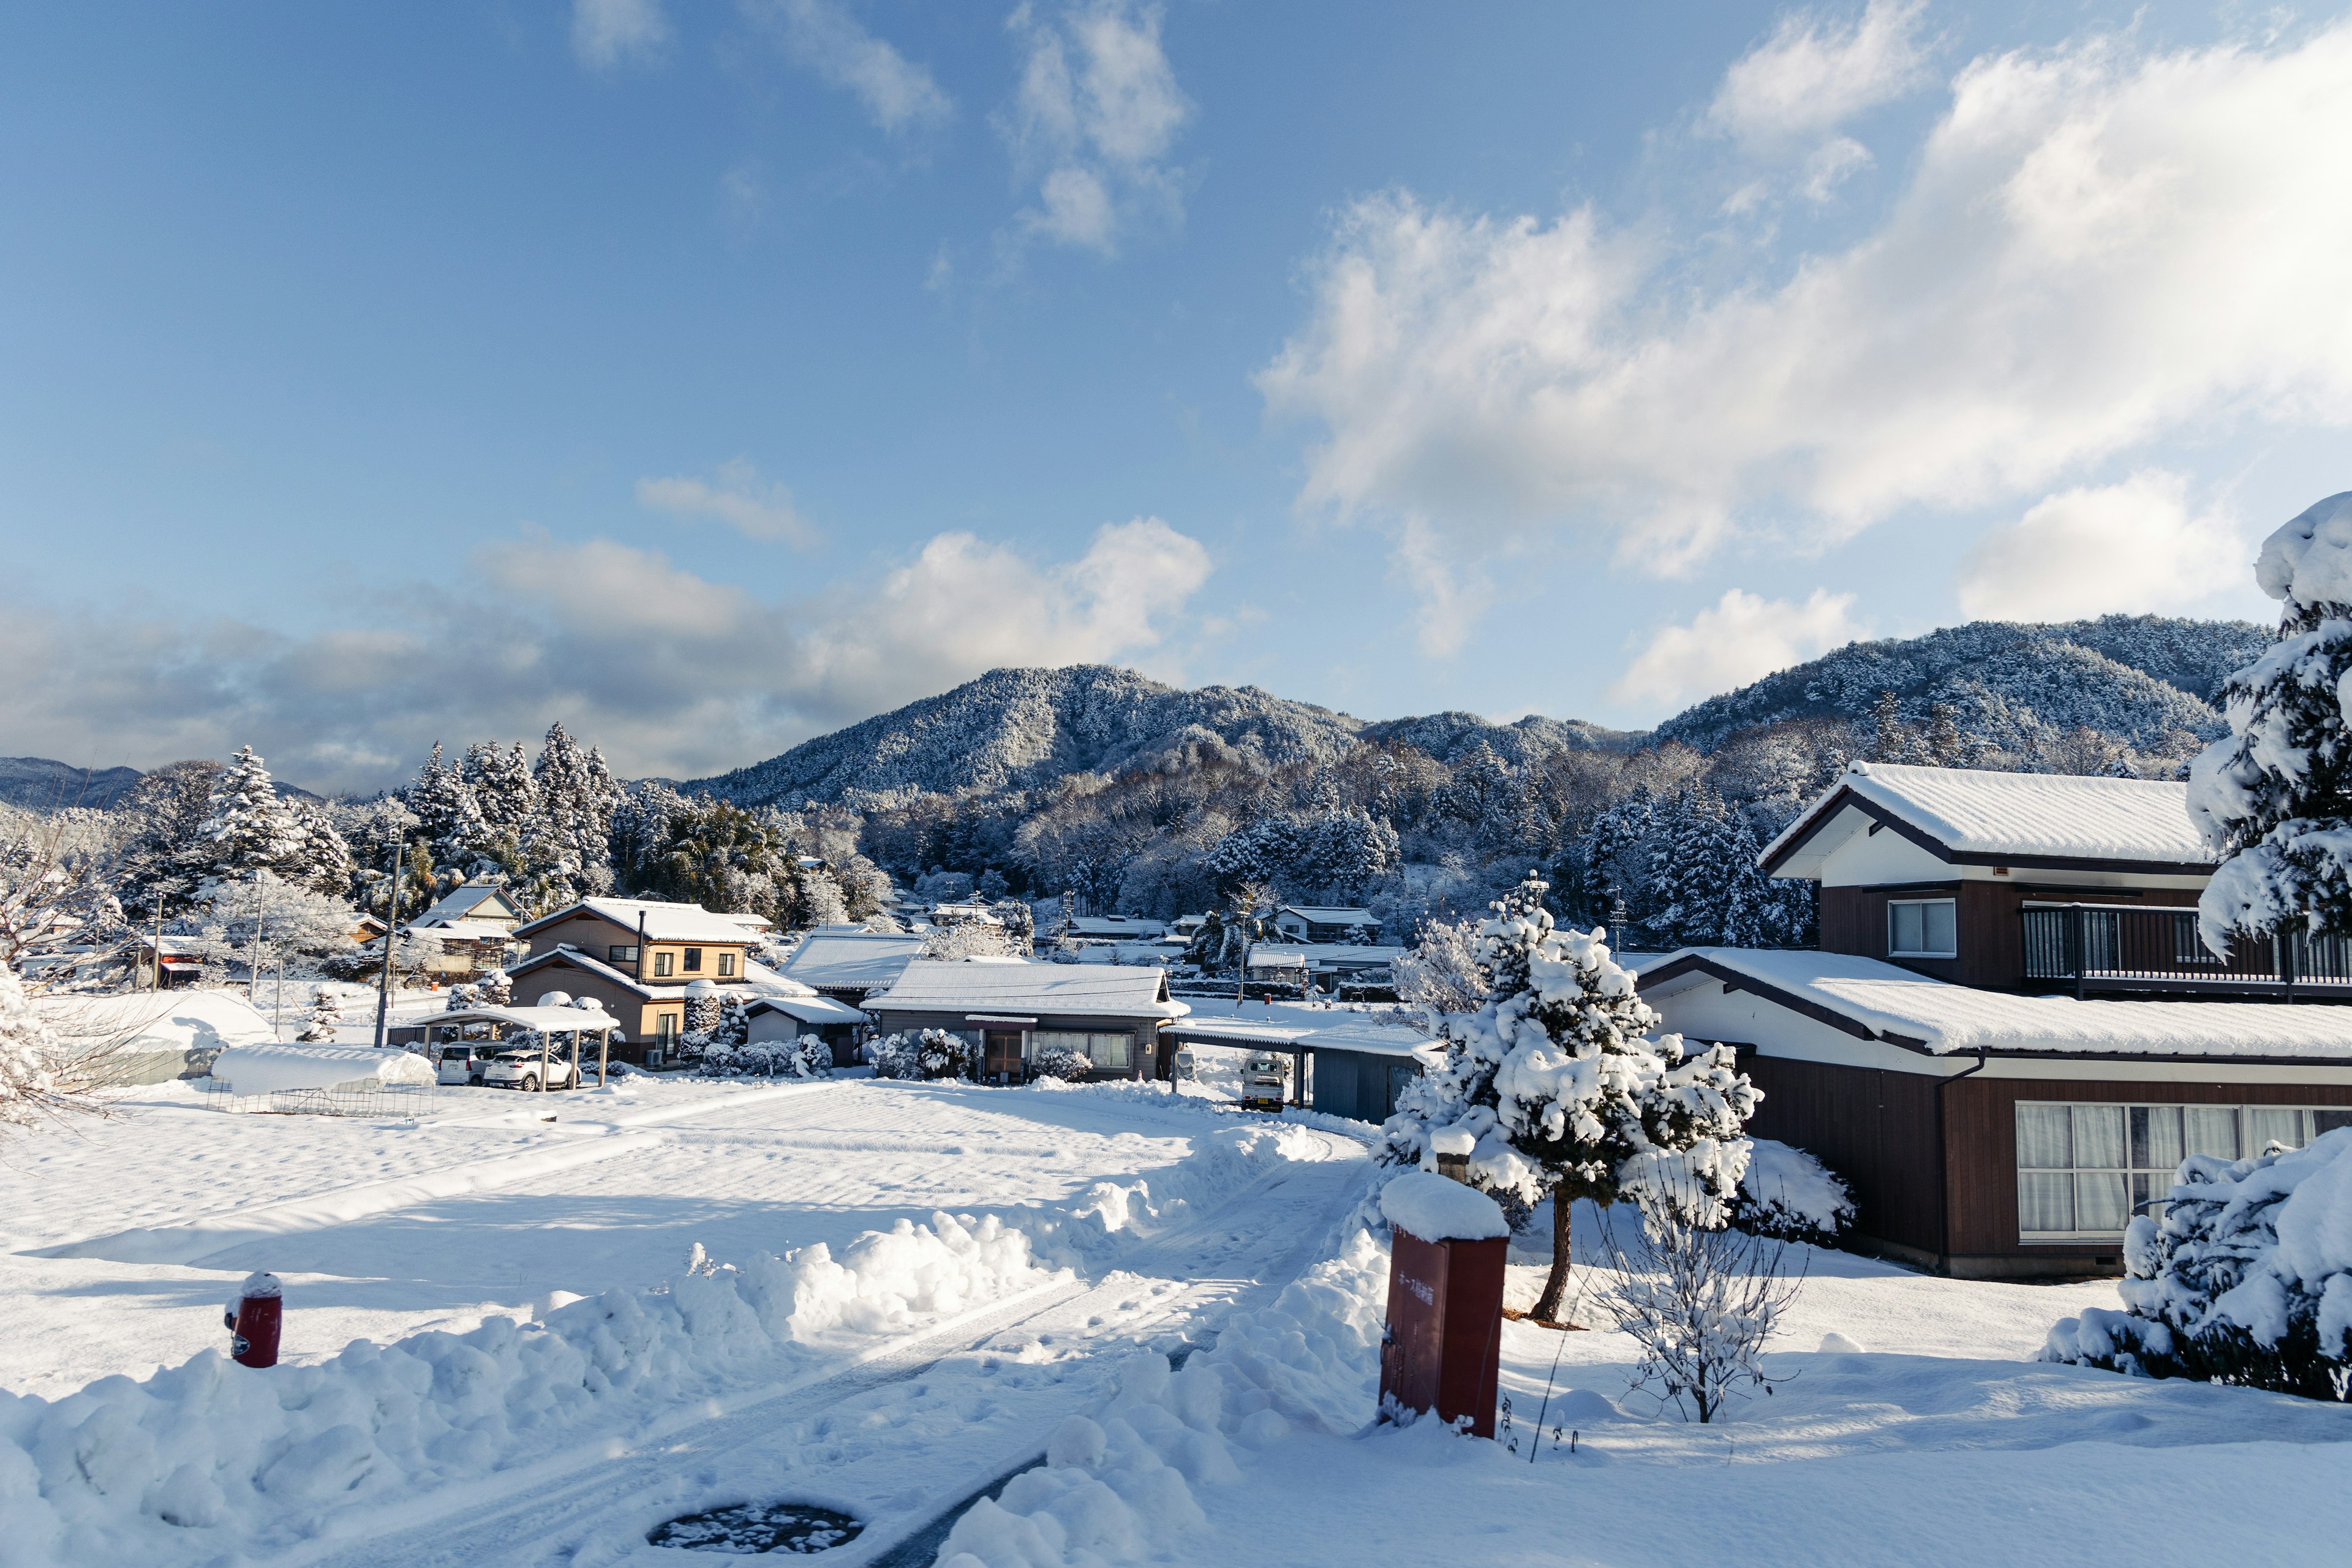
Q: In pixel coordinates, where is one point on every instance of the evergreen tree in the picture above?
(449, 819)
(246, 828)
(326, 1015)
(1557, 1092)
(577, 798)
(2274, 796)
(506, 803)
(319, 859)
(494, 988)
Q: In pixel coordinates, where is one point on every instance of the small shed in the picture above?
(777, 1014)
(1348, 1064)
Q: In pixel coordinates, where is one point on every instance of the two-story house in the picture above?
(1318, 923)
(637, 956)
(2011, 1032)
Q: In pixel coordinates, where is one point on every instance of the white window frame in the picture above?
(1109, 1050)
(2144, 1183)
(1949, 902)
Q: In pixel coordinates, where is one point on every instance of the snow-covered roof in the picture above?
(1322, 954)
(465, 903)
(808, 1009)
(1943, 1019)
(547, 1020)
(850, 959)
(158, 1021)
(1323, 915)
(937, 985)
(1115, 925)
(1305, 1030)
(595, 967)
(1974, 815)
(663, 921)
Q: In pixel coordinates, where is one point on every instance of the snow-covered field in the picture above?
(1002, 1271)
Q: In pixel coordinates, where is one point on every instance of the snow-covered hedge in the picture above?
(1790, 1195)
(806, 1058)
(2247, 1279)
(933, 1054)
(1059, 1062)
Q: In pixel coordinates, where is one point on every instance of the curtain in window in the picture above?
(2045, 1202)
(2045, 1136)
(2156, 1138)
(2099, 1136)
(1108, 1050)
(2267, 1124)
(2212, 1130)
(2102, 1201)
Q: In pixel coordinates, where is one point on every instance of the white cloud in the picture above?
(1811, 76)
(2135, 547)
(1742, 637)
(2096, 249)
(608, 33)
(1829, 165)
(823, 35)
(670, 673)
(1097, 111)
(1454, 593)
(739, 500)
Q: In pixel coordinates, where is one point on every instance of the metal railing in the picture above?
(2090, 944)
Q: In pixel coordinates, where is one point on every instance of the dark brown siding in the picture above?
(1853, 920)
(1873, 1128)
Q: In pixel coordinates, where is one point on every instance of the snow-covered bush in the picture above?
(762, 1058)
(1789, 1194)
(939, 1053)
(26, 1047)
(893, 1056)
(810, 1058)
(1060, 1062)
(494, 988)
(1557, 1092)
(2247, 1279)
(326, 1014)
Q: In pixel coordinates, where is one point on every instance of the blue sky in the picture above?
(708, 377)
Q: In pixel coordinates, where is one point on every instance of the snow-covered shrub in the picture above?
(1789, 1194)
(26, 1047)
(939, 1053)
(2247, 1279)
(494, 988)
(893, 1056)
(1700, 1301)
(326, 1014)
(810, 1058)
(1060, 1062)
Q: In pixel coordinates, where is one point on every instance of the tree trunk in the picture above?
(1547, 1305)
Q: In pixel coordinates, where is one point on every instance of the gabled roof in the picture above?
(1875, 1001)
(1973, 816)
(1323, 955)
(663, 921)
(807, 1009)
(1321, 915)
(1112, 990)
(468, 903)
(849, 960)
(597, 967)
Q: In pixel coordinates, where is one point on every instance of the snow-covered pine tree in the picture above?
(326, 1015)
(506, 798)
(246, 827)
(577, 796)
(495, 987)
(449, 819)
(1559, 1094)
(2274, 796)
(1695, 866)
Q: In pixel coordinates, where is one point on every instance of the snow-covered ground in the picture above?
(923, 1356)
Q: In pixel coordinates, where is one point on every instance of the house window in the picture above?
(666, 1027)
(694, 961)
(662, 965)
(1922, 928)
(1105, 1050)
(2084, 1170)
(621, 954)
(726, 964)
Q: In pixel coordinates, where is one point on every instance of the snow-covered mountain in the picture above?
(2142, 681)
(42, 783)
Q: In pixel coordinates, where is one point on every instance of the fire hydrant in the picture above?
(254, 1322)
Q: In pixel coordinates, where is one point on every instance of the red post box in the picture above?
(1443, 1351)
(254, 1320)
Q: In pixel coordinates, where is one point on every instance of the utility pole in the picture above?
(391, 930)
(253, 959)
(155, 975)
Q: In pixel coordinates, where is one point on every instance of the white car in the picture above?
(525, 1071)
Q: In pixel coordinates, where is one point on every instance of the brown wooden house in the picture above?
(1113, 1014)
(637, 956)
(2011, 1032)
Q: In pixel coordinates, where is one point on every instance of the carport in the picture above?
(496, 1024)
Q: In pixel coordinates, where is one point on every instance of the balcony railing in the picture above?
(2107, 947)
